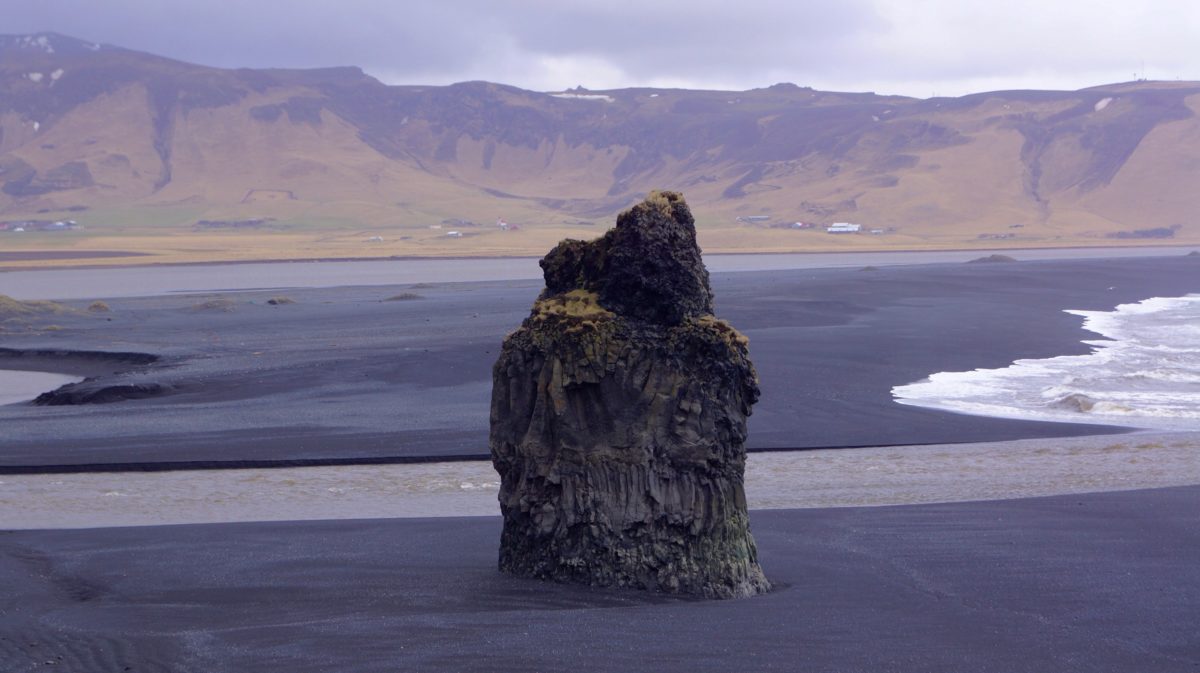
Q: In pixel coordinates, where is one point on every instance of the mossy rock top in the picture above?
(648, 267)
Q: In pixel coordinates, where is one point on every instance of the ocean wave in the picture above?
(1144, 373)
(1174, 376)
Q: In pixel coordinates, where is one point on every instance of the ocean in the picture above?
(1144, 373)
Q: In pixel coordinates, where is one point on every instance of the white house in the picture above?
(844, 228)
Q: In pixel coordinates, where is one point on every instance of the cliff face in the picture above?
(618, 419)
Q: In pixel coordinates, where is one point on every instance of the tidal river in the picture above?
(140, 281)
(19, 386)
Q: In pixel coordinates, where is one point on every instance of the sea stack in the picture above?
(618, 418)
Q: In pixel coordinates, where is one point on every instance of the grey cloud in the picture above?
(927, 44)
(674, 38)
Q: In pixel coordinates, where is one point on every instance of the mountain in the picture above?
(306, 162)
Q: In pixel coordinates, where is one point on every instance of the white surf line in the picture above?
(784, 480)
(1142, 374)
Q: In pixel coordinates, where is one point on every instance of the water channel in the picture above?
(140, 281)
(21, 386)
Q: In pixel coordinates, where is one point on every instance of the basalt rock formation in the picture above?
(618, 419)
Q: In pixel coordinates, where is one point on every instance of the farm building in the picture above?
(844, 228)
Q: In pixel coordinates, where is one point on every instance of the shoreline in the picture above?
(367, 378)
(5, 265)
(19, 386)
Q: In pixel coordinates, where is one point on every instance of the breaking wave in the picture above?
(1146, 373)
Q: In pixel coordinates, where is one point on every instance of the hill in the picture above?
(135, 152)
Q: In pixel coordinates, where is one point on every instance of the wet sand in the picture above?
(774, 480)
(343, 372)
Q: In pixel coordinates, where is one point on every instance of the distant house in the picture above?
(844, 228)
(802, 225)
(454, 234)
(753, 218)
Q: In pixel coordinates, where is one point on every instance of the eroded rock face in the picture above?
(618, 418)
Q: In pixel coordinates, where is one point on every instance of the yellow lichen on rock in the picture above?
(727, 332)
(574, 304)
(661, 201)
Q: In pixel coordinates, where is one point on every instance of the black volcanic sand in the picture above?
(1099, 582)
(345, 373)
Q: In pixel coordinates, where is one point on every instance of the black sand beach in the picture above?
(1093, 582)
(344, 373)
(1099, 582)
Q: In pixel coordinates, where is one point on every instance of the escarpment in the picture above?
(618, 419)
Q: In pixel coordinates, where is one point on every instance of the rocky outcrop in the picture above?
(992, 259)
(99, 391)
(618, 418)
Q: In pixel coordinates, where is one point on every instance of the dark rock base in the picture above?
(618, 420)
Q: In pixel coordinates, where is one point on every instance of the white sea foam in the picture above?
(1145, 374)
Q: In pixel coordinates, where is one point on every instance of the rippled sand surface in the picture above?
(799, 479)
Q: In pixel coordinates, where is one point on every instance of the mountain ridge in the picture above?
(151, 146)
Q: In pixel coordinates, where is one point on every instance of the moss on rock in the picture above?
(618, 418)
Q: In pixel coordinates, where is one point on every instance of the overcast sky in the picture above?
(911, 47)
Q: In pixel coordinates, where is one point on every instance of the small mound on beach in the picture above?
(1194, 253)
(98, 307)
(92, 391)
(11, 308)
(223, 305)
(992, 259)
(405, 296)
(280, 301)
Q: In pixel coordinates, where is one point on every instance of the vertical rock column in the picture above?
(618, 418)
